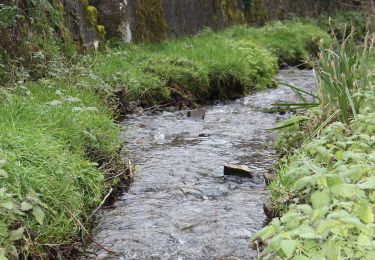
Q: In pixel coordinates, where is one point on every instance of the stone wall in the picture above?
(138, 20)
(81, 27)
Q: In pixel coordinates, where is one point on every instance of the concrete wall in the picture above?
(137, 20)
(81, 28)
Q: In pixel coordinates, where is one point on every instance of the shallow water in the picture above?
(180, 205)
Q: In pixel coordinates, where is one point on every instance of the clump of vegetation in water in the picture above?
(324, 190)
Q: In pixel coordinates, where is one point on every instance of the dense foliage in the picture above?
(331, 184)
(324, 189)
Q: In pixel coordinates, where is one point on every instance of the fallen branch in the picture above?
(101, 204)
(88, 233)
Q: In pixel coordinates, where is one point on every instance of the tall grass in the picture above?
(343, 77)
(345, 84)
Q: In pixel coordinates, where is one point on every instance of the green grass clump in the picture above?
(209, 65)
(50, 135)
(190, 66)
(293, 42)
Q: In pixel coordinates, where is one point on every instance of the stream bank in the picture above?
(180, 206)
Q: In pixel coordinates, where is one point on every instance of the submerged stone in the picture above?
(237, 170)
(197, 114)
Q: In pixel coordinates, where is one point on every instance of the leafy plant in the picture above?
(332, 183)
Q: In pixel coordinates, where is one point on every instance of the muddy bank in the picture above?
(180, 205)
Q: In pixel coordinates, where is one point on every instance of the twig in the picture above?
(115, 176)
(156, 107)
(101, 204)
(88, 233)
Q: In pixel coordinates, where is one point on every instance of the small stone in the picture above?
(237, 170)
(197, 114)
(268, 209)
(269, 177)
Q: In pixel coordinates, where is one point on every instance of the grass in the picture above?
(292, 42)
(209, 65)
(51, 134)
(54, 131)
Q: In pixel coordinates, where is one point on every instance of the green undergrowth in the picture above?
(330, 185)
(209, 65)
(342, 22)
(292, 42)
(51, 133)
(324, 188)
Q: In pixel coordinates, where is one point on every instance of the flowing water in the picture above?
(180, 205)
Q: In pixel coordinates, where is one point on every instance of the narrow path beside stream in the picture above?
(180, 205)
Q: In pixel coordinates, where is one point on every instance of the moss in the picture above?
(85, 3)
(232, 12)
(256, 13)
(101, 31)
(92, 15)
(215, 21)
(150, 21)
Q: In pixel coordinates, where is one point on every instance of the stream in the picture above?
(180, 205)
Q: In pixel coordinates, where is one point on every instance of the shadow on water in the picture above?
(180, 206)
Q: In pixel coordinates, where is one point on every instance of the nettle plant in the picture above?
(333, 187)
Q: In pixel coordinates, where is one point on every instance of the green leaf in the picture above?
(339, 155)
(38, 214)
(3, 230)
(306, 231)
(8, 205)
(346, 190)
(320, 198)
(25, 206)
(326, 226)
(306, 181)
(265, 232)
(300, 257)
(288, 247)
(331, 249)
(289, 216)
(17, 234)
(368, 183)
(347, 155)
(364, 212)
(364, 240)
